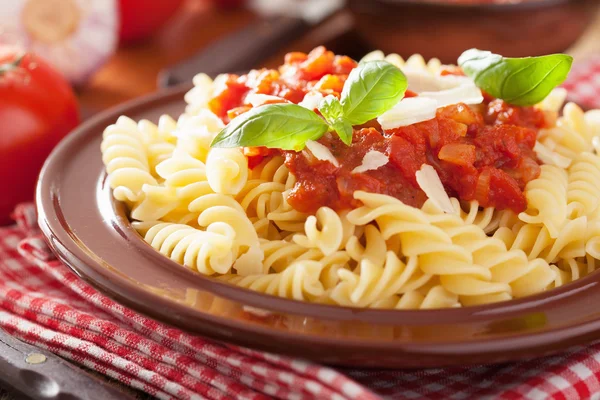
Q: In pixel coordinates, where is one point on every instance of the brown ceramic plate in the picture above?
(90, 233)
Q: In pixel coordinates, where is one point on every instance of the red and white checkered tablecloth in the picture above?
(584, 82)
(44, 303)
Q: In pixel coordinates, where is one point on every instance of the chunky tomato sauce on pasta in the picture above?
(482, 153)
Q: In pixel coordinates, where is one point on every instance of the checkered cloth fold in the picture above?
(584, 83)
(42, 302)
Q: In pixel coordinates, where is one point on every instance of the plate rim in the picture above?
(66, 249)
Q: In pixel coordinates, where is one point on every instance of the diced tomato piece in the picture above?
(234, 112)
(449, 132)
(330, 82)
(228, 96)
(458, 153)
(405, 156)
(500, 112)
(343, 65)
(295, 57)
(460, 113)
(318, 63)
(504, 191)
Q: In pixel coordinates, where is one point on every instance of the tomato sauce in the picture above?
(482, 152)
(320, 70)
(320, 183)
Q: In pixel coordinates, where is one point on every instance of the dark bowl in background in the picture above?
(444, 30)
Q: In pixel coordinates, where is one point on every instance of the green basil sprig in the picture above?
(519, 81)
(371, 89)
(284, 126)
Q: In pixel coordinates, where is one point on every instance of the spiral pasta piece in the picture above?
(226, 170)
(584, 186)
(198, 97)
(184, 180)
(436, 253)
(258, 198)
(486, 219)
(375, 247)
(434, 297)
(512, 273)
(536, 242)
(327, 230)
(286, 218)
(195, 133)
(300, 281)
(160, 140)
(126, 159)
(207, 252)
(574, 132)
(547, 199)
(373, 282)
(414, 62)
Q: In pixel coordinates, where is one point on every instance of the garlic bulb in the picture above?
(75, 36)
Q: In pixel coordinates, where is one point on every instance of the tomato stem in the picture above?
(16, 63)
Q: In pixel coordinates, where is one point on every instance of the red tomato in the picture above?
(37, 109)
(141, 18)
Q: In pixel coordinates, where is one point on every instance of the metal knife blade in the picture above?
(280, 22)
(39, 374)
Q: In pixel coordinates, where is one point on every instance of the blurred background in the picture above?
(111, 51)
(117, 48)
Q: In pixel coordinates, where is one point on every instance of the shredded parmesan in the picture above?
(467, 93)
(321, 152)
(258, 99)
(429, 181)
(311, 100)
(372, 160)
(421, 80)
(407, 112)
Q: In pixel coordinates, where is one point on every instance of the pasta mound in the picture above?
(207, 210)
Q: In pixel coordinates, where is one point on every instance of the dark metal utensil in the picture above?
(281, 21)
(39, 374)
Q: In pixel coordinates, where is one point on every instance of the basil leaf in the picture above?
(283, 126)
(371, 89)
(331, 108)
(519, 81)
(344, 130)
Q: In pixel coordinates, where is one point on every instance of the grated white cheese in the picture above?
(372, 160)
(311, 100)
(407, 112)
(466, 93)
(258, 99)
(321, 152)
(421, 80)
(429, 181)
